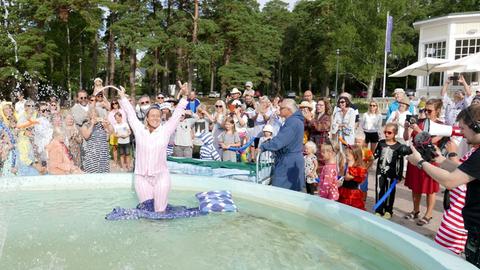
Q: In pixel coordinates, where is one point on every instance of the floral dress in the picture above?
(327, 188)
(73, 140)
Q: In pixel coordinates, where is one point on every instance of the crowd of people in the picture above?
(321, 147)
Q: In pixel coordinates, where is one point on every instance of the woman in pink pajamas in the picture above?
(152, 179)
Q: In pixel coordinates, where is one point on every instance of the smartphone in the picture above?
(454, 78)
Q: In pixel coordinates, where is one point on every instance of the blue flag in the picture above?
(388, 32)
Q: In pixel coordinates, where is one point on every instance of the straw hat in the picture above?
(398, 91)
(306, 104)
(235, 91)
(405, 101)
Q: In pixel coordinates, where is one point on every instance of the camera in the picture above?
(454, 78)
(412, 119)
(423, 144)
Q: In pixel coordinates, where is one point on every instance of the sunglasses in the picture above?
(144, 102)
(30, 106)
(388, 132)
(219, 106)
(83, 98)
(159, 97)
(45, 110)
(99, 95)
(428, 111)
(340, 102)
(113, 103)
(92, 100)
(373, 105)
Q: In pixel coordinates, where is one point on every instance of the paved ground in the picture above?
(403, 204)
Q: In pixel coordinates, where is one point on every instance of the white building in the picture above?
(449, 37)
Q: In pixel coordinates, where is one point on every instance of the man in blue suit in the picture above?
(289, 168)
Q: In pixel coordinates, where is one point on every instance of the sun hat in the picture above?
(306, 104)
(398, 90)
(165, 105)
(249, 84)
(268, 128)
(235, 91)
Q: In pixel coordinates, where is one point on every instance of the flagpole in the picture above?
(385, 57)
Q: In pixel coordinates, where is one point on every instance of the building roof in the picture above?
(449, 17)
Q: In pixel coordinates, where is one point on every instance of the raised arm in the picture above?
(468, 90)
(135, 124)
(443, 92)
(172, 123)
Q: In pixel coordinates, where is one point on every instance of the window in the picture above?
(465, 47)
(435, 49)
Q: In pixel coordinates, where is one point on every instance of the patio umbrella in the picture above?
(420, 68)
(469, 63)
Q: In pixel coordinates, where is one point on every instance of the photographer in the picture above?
(451, 176)
(416, 179)
(461, 99)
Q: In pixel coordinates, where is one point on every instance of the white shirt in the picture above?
(122, 130)
(20, 106)
(371, 122)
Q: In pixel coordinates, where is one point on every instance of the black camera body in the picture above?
(423, 144)
(412, 119)
(454, 78)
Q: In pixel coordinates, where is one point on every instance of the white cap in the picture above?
(165, 105)
(249, 84)
(268, 128)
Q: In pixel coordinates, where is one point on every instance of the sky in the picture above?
(290, 2)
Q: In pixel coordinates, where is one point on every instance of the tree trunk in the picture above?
(226, 61)
(133, 68)
(371, 84)
(279, 78)
(194, 42)
(68, 64)
(95, 56)
(165, 75)
(310, 79)
(155, 70)
(299, 86)
(212, 76)
(111, 58)
(343, 84)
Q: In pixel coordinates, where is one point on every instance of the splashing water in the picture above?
(10, 36)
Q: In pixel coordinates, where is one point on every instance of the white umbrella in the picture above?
(420, 68)
(469, 63)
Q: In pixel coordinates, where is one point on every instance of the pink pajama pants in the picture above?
(153, 187)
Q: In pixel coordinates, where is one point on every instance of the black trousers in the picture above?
(311, 188)
(472, 248)
(381, 186)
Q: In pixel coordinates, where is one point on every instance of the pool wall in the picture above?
(409, 246)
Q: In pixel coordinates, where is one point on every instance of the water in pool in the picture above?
(67, 230)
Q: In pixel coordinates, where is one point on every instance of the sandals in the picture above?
(412, 215)
(424, 221)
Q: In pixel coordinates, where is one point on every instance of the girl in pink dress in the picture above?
(152, 179)
(328, 185)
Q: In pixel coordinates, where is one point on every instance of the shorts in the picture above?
(371, 137)
(113, 140)
(124, 149)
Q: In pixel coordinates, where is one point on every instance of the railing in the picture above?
(263, 167)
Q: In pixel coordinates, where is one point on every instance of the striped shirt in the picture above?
(151, 147)
(207, 150)
(451, 233)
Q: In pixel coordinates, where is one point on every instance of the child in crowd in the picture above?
(389, 167)
(229, 138)
(184, 135)
(355, 174)
(207, 150)
(267, 156)
(122, 133)
(328, 185)
(311, 164)
(368, 161)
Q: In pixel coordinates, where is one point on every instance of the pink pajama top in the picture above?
(151, 147)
